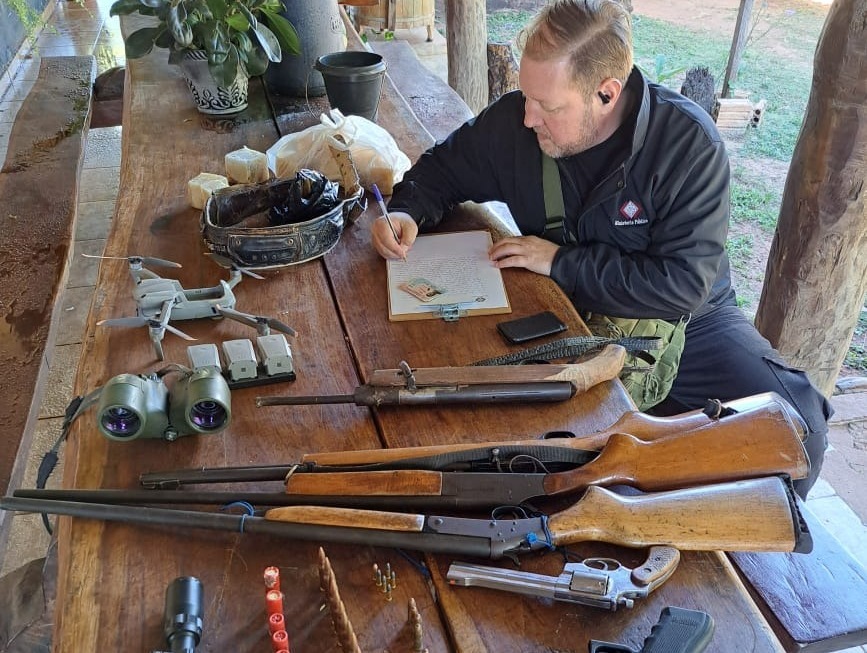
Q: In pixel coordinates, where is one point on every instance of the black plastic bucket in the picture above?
(353, 81)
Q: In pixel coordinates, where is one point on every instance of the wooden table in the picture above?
(112, 577)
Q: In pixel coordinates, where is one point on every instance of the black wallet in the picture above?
(530, 327)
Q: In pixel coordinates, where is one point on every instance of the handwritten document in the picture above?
(446, 270)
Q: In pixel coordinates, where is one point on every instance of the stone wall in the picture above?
(12, 31)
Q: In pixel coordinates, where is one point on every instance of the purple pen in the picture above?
(384, 210)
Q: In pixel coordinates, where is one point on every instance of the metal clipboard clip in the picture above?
(451, 312)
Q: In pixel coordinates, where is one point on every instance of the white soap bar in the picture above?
(200, 187)
(246, 166)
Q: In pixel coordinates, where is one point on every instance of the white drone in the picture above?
(159, 301)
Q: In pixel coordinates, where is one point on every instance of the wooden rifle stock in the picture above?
(759, 412)
(681, 460)
(604, 366)
(753, 515)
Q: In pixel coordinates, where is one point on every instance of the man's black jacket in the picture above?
(649, 240)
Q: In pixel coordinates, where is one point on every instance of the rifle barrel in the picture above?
(305, 400)
(481, 393)
(183, 519)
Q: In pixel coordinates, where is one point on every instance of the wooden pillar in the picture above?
(502, 70)
(816, 277)
(467, 37)
(738, 43)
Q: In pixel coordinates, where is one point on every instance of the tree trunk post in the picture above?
(467, 37)
(816, 277)
(738, 42)
(502, 70)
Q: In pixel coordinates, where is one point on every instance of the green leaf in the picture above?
(164, 40)
(269, 42)
(238, 22)
(218, 44)
(218, 8)
(225, 72)
(141, 42)
(284, 31)
(125, 7)
(243, 42)
(248, 15)
(256, 62)
(177, 24)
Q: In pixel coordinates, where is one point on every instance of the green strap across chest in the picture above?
(555, 209)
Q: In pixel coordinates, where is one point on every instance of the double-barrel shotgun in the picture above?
(753, 515)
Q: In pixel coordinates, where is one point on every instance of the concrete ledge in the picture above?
(39, 187)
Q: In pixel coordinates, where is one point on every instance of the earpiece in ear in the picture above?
(604, 97)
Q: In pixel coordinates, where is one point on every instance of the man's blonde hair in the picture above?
(596, 36)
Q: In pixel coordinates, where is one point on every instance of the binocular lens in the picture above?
(120, 421)
(208, 415)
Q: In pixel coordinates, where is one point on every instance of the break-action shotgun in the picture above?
(753, 515)
(762, 431)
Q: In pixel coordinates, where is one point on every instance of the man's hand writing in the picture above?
(383, 239)
(531, 252)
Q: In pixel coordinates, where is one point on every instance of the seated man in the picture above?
(642, 181)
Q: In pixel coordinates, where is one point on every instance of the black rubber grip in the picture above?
(680, 631)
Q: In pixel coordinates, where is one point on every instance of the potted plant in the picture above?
(219, 44)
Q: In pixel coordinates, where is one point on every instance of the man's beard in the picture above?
(587, 137)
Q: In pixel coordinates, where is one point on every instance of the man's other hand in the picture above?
(531, 252)
(383, 240)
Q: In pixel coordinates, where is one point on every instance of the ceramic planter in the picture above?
(208, 96)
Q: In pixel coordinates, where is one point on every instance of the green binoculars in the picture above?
(135, 406)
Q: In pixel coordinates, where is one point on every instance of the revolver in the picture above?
(598, 582)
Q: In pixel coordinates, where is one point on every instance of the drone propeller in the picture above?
(262, 324)
(125, 321)
(145, 260)
(177, 332)
(224, 262)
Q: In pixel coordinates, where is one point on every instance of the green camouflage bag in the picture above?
(647, 382)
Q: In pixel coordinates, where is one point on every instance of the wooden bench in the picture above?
(814, 602)
(436, 104)
(38, 191)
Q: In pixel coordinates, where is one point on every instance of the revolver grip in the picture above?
(677, 631)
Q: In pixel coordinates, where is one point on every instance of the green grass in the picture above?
(754, 201)
(504, 25)
(856, 357)
(782, 80)
(740, 251)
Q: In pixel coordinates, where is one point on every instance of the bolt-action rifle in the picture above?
(473, 385)
(753, 515)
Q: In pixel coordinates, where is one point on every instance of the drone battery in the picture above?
(275, 354)
(204, 357)
(240, 359)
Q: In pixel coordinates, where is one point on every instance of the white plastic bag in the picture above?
(377, 157)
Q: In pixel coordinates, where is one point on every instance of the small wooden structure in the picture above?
(397, 14)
